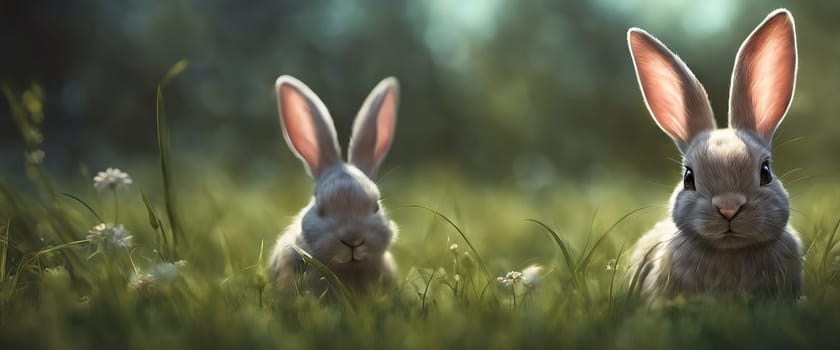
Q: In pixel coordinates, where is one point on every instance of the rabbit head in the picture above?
(729, 196)
(344, 223)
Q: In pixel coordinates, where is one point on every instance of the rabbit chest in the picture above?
(771, 269)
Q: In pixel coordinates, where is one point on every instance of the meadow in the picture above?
(191, 274)
(525, 166)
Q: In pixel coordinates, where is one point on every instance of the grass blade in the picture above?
(612, 277)
(636, 280)
(160, 231)
(164, 151)
(26, 260)
(5, 253)
(89, 208)
(329, 275)
(564, 249)
(589, 235)
(176, 70)
(828, 247)
(3, 257)
(426, 292)
(585, 259)
(154, 222)
(460, 232)
(259, 277)
(166, 172)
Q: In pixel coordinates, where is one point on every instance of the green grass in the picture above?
(55, 296)
(457, 235)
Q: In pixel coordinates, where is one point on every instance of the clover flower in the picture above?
(99, 234)
(162, 274)
(529, 277)
(511, 278)
(610, 265)
(144, 283)
(111, 178)
(121, 238)
(104, 235)
(165, 272)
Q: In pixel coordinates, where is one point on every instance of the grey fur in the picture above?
(698, 249)
(344, 211)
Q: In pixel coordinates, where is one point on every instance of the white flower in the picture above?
(521, 283)
(121, 238)
(531, 275)
(144, 282)
(181, 264)
(165, 272)
(610, 265)
(111, 178)
(99, 234)
(454, 247)
(511, 278)
(107, 234)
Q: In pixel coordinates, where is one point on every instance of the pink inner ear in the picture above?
(662, 87)
(385, 125)
(298, 120)
(770, 63)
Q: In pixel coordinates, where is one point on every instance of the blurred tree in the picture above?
(499, 89)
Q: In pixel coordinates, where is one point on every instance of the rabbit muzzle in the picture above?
(351, 251)
(729, 204)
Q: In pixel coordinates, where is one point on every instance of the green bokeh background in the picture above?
(509, 110)
(533, 92)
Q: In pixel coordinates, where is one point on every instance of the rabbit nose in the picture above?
(353, 243)
(728, 213)
(729, 204)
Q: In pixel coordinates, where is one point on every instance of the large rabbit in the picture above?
(344, 226)
(728, 232)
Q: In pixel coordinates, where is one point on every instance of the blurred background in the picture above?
(531, 93)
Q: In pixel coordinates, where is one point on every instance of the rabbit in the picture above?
(728, 233)
(344, 225)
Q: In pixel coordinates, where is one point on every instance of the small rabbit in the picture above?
(728, 232)
(343, 226)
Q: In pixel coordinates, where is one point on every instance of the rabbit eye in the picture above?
(375, 208)
(688, 179)
(766, 176)
(321, 211)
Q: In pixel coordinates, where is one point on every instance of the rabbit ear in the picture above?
(674, 97)
(764, 76)
(373, 129)
(307, 126)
